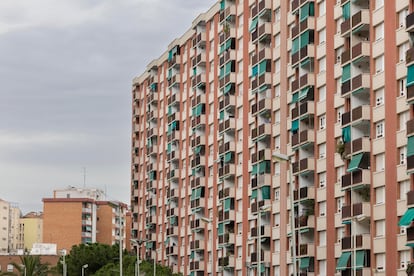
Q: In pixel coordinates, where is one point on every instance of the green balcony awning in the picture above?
(346, 73)
(307, 10)
(198, 110)
(262, 88)
(227, 204)
(227, 88)
(254, 23)
(225, 46)
(220, 229)
(304, 263)
(197, 149)
(304, 39)
(265, 192)
(360, 258)
(254, 194)
(410, 146)
(196, 193)
(346, 11)
(304, 230)
(169, 73)
(227, 157)
(303, 93)
(295, 97)
(346, 134)
(343, 261)
(255, 70)
(167, 240)
(173, 220)
(264, 167)
(295, 125)
(410, 244)
(254, 169)
(221, 115)
(355, 161)
(149, 245)
(169, 147)
(410, 75)
(407, 218)
(192, 255)
(262, 67)
(222, 4)
(295, 45)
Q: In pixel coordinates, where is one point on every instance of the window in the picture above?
(380, 228)
(322, 36)
(277, 90)
(404, 258)
(277, 194)
(277, 116)
(322, 93)
(402, 49)
(404, 188)
(322, 64)
(277, 66)
(339, 112)
(339, 204)
(402, 154)
(277, 15)
(379, 162)
(401, 18)
(277, 245)
(402, 120)
(379, 97)
(322, 122)
(322, 238)
(379, 4)
(322, 8)
(379, 195)
(401, 87)
(277, 142)
(380, 261)
(277, 40)
(322, 150)
(379, 64)
(322, 208)
(322, 267)
(379, 31)
(322, 179)
(379, 129)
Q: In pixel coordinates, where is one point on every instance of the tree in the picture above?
(32, 265)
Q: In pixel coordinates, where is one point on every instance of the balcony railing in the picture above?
(355, 179)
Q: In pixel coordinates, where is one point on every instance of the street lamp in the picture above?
(262, 210)
(137, 243)
(284, 158)
(85, 266)
(63, 253)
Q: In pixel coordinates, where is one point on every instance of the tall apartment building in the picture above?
(32, 225)
(277, 138)
(79, 216)
(11, 235)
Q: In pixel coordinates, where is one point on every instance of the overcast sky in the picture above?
(66, 69)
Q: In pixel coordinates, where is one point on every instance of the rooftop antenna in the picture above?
(84, 177)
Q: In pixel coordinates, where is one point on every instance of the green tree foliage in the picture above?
(32, 265)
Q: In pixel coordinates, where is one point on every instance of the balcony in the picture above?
(175, 62)
(262, 155)
(264, 79)
(229, 34)
(410, 94)
(200, 99)
(362, 242)
(261, 132)
(174, 99)
(227, 125)
(198, 203)
(266, 231)
(152, 150)
(197, 265)
(304, 194)
(227, 192)
(262, 33)
(197, 225)
(174, 81)
(361, 53)
(303, 53)
(197, 245)
(305, 109)
(198, 161)
(261, 180)
(198, 182)
(198, 141)
(362, 209)
(228, 101)
(306, 250)
(227, 56)
(303, 81)
(228, 146)
(305, 221)
(171, 251)
(227, 170)
(173, 231)
(410, 235)
(198, 121)
(409, 22)
(263, 106)
(199, 80)
(199, 40)
(356, 146)
(410, 164)
(173, 174)
(227, 239)
(172, 193)
(226, 216)
(360, 24)
(359, 83)
(152, 132)
(199, 60)
(152, 98)
(357, 116)
(265, 257)
(303, 138)
(265, 53)
(227, 262)
(356, 179)
(228, 14)
(229, 78)
(255, 206)
(304, 166)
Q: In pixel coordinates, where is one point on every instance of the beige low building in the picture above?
(32, 224)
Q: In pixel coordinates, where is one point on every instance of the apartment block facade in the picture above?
(277, 138)
(32, 225)
(80, 216)
(11, 234)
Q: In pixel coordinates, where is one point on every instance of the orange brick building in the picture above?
(75, 216)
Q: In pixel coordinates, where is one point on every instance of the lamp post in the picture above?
(284, 158)
(85, 266)
(63, 253)
(137, 243)
(208, 221)
(262, 210)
